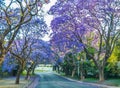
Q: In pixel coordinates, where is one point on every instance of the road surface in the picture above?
(50, 80)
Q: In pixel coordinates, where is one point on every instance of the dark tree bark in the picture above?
(28, 74)
(33, 69)
(73, 71)
(101, 75)
(18, 75)
(1, 59)
(81, 71)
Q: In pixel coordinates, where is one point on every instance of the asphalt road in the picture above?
(50, 80)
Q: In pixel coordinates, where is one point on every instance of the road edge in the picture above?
(94, 84)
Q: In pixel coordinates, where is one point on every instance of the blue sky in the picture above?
(48, 17)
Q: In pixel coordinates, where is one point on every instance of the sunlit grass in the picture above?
(24, 73)
(10, 83)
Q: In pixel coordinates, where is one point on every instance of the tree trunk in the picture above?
(73, 72)
(33, 70)
(1, 59)
(82, 75)
(28, 74)
(82, 71)
(67, 70)
(18, 75)
(101, 75)
(58, 69)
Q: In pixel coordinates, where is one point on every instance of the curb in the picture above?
(33, 83)
(30, 81)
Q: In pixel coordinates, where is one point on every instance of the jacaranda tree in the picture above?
(13, 15)
(9, 64)
(21, 47)
(41, 53)
(93, 23)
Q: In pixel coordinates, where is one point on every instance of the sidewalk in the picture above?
(34, 82)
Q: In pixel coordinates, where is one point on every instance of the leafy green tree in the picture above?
(113, 62)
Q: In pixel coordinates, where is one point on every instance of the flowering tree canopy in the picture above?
(12, 18)
(9, 63)
(93, 23)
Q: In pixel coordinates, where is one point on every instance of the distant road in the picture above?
(50, 80)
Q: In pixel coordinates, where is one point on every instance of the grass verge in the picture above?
(109, 82)
(10, 83)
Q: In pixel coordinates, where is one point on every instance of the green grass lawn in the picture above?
(24, 73)
(93, 80)
(10, 83)
(110, 82)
